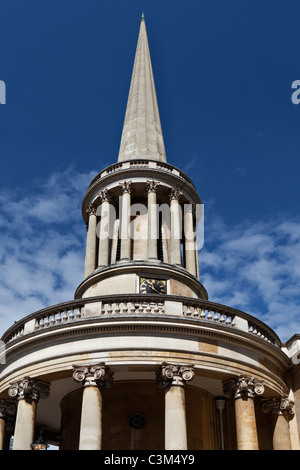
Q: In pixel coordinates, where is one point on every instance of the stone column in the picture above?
(175, 226)
(91, 242)
(28, 391)
(152, 221)
(244, 389)
(7, 415)
(173, 378)
(281, 409)
(104, 235)
(190, 258)
(125, 221)
(92, 378)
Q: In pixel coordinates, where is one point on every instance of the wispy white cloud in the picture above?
(42, 244)
(255, 267)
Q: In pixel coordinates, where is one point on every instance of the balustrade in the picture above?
(196, 310)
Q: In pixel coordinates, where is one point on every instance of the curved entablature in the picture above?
(216, 338)
(151, 164)
(134, 169)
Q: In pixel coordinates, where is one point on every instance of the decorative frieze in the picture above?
(174, 374)
(29, 388)
(243, 387)
(97, 375)
(278, 406)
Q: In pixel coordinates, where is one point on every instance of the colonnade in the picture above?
(173, 377)
(181, 228)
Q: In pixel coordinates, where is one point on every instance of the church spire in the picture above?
(142, 136)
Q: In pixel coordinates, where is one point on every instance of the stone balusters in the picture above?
(281, 409)
(173, 378)
(244, 389)
(92, 378)
(27, 391)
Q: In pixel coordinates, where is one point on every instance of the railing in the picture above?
(140, 164)
(199, 310)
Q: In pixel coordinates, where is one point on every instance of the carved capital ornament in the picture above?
(152, 186)
(125, 187)
(278, 406)
(175, 194)
(243, 387)
(93, 376)
(91, 210)
(174, 374)
(29, 388)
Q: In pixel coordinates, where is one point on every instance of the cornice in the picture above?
(139, 323)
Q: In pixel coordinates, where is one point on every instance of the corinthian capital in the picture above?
(29, 388)
(175, 194)
(278, 406)
(125, 187)
(105, 196)
(97, 375)
(243, 387)
(152, 186)
(91, 210)
(174, 374)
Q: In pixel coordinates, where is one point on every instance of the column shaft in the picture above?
(125, 226)
(174, 377)
(25, 421)
(175, 419)
(152, 225)
(281, 433)
(244, 389)
(103, 256)
(175, 231)
(91, 419)
(92, 377)
(91, 244)
(281, 410)
(190, 258)
(246, 424)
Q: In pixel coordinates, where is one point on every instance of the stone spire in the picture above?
(142, 134)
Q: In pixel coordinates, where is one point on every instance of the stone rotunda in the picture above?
(140, 359)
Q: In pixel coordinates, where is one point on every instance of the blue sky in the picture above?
(223, 74)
